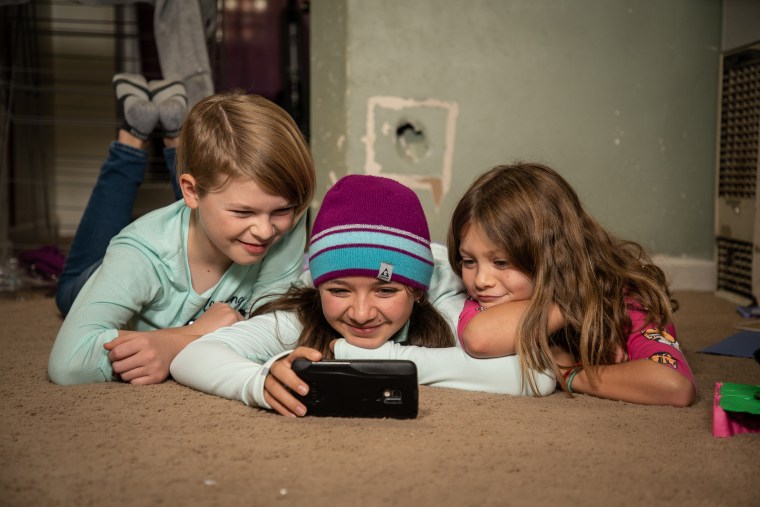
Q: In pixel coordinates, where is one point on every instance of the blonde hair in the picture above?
(234, 135)
(531, 213)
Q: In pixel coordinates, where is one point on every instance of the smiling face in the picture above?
(488, 274)
(366, 311)
(237, 223)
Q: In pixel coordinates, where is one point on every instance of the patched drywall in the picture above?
(619, 96)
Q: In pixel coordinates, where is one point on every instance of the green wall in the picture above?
(620, 97)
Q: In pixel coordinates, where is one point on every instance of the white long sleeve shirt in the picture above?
(233, 362)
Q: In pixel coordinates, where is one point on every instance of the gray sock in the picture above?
(171, 100)
(139, 115)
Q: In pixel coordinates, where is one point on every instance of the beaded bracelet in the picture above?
(570, 379)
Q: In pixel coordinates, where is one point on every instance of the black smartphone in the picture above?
(359, 388)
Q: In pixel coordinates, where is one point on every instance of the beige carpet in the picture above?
(115, 444)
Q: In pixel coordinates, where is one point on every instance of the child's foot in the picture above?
(171, 100)
(139, 115)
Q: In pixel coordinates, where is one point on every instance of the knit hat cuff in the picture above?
(366, 251)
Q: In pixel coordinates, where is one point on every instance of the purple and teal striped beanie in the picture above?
(371, 226)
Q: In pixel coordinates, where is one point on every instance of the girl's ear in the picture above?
(189, 188)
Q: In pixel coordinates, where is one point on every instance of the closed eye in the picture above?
(284, 211)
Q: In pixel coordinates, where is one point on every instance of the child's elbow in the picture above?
(484, 348)
(679, 391)
(477, 347)
(59, 374)
(67, 375)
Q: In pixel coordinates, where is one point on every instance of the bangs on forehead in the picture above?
(215, 183)
(497, 235)
(282, 187)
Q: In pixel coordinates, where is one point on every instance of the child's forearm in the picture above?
(213, 367)
(641, 381)
(493, 332)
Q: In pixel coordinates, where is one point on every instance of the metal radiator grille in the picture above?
(740, 121)
(735, 266)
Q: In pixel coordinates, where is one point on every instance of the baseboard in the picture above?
(685, 273)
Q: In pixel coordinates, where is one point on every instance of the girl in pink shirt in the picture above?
(546, 281)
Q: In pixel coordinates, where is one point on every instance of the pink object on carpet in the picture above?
(728, 424)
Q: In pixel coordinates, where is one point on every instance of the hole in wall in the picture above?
(411, 141)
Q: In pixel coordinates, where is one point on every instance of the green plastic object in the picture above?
(740, 398)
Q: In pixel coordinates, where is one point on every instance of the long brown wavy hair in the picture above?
(536, 218)
(427, 327)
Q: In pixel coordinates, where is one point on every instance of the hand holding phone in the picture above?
(282, 383)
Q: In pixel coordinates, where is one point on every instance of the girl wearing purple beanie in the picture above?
(374, 279)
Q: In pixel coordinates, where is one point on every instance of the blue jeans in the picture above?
(108, 211)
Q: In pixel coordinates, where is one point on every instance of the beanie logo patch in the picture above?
(386, 272)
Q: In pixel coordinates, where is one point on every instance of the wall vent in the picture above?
(738, 225)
